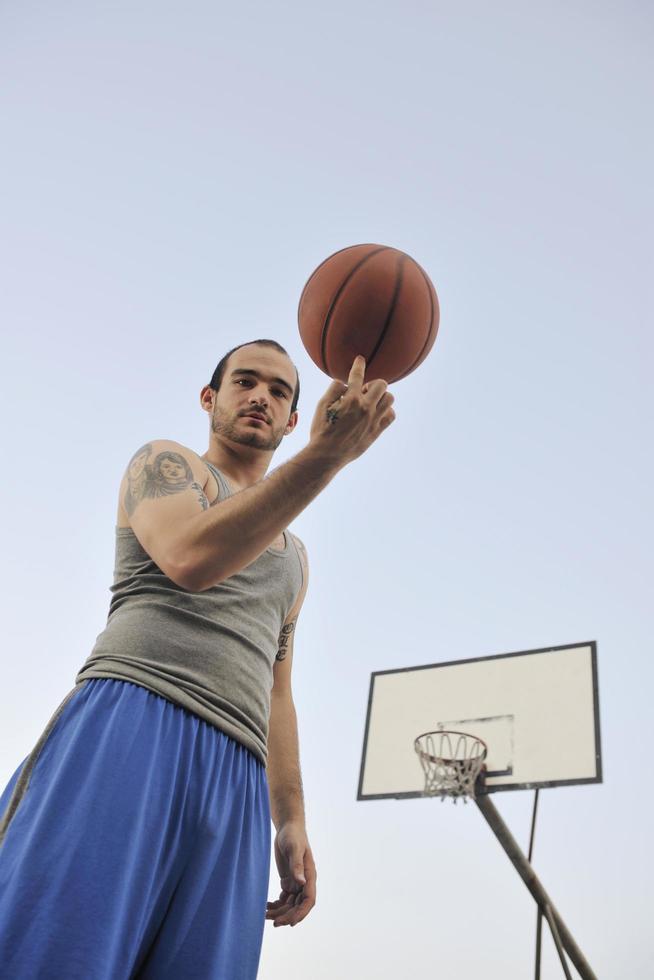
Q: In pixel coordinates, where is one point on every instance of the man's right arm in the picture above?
(197, 546)
(221, 541)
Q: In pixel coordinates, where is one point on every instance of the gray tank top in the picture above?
(211, 652)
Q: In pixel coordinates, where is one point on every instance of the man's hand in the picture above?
(297, 873)
(363, 411)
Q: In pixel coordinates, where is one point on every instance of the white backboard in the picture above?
(537, 710)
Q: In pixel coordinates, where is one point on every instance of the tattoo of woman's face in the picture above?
(169, 473)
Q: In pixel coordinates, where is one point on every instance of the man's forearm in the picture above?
(219, 542)
(283, 769)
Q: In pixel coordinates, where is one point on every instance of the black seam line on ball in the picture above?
(319, 267)
(391, 310)
(323, 339)
(431, 323)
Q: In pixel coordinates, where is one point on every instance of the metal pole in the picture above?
(539, 918)
(539, 932)
(528, 875)
(533, 826)
(557, 941)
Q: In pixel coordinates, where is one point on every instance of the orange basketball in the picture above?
(372, 300)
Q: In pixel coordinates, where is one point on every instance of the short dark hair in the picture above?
(218, 374)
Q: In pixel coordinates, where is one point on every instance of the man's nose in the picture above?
(258, 396)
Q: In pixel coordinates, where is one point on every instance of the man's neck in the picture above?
(242, 469)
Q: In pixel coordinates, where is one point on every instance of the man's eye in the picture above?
(280, 392)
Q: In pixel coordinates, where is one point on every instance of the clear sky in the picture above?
(171, 174)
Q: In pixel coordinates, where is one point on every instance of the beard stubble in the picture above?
(230, 427)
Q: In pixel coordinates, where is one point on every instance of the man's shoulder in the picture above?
(300, 544)
(155, 460)
(152, 449)
(303, 556)
(152, 455)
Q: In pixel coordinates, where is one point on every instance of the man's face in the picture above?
(256, 379)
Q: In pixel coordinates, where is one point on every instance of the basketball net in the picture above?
(451, 762)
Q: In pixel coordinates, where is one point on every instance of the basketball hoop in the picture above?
(451, 761)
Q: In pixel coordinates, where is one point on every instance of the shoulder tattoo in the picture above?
(166, 474)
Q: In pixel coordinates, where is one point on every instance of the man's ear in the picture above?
(292, 422)
(206, 398)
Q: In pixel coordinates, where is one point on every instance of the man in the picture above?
(135, 838)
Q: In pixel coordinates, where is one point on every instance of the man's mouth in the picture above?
(256, 415)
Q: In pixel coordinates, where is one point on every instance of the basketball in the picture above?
(372, 300)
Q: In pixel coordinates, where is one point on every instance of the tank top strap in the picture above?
(223, 485)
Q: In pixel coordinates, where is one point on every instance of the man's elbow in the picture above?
(188, 575)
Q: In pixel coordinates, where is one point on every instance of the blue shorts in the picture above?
(139, 849)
